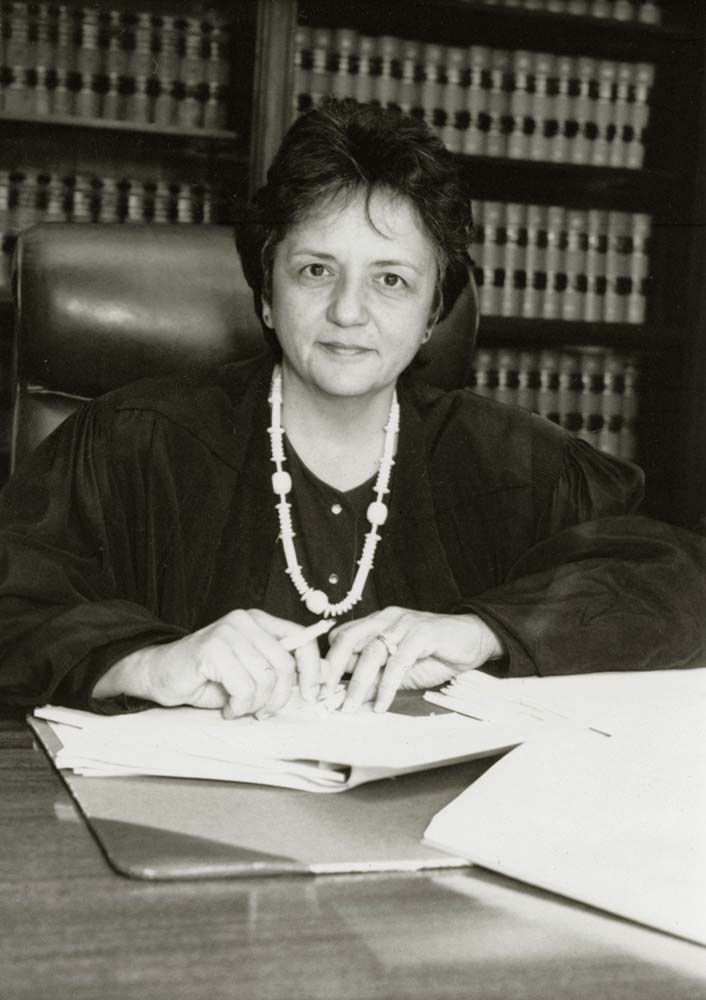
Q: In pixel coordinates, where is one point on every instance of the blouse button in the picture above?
(336, 508)
(333, 579)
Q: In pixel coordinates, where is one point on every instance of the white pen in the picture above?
(300, 638)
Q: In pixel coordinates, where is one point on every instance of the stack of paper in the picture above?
(306, 746)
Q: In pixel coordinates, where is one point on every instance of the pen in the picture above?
(300, 638)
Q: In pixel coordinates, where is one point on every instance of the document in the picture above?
(306, 746)
(608, 702)
(618, 823)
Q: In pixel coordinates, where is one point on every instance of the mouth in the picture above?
(345, 350)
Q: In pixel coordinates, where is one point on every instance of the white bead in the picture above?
(281, 482)
(316, 601)
(377, 512)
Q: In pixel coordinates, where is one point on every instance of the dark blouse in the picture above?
(150, 513)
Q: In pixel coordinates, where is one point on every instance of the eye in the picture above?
(392, 280)
(314, 270)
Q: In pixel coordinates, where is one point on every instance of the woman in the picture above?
(160, 545)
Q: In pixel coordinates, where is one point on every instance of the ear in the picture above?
(266, 314)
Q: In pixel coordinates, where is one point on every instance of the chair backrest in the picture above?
(98, 306)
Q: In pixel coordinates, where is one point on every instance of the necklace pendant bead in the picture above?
(281, 482)
(377, 512)
(316, 601)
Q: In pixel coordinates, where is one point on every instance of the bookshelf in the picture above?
(574, 121)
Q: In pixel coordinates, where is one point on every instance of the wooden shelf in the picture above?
(188, 135)
(448, 21)
(532, 333)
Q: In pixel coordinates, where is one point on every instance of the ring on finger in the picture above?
(388, 642)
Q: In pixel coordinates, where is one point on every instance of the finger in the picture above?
(365, 676)
(246, 675)
(308, 663)
(412, 647)
(348, 640)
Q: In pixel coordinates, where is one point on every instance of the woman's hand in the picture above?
(236, 664)
(422, 650)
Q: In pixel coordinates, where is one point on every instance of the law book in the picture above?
(527, 379)
(365, 60)
(555, 262)
(409, 91)
(301, 91)
(570, 392)
(543, 68)
(434, 57)
(596, 250)
(604, 113)
(217, 70)
(321, 75)
(479, 77)
(497, 103)
(621, 114)
(628, 439)
(547, 399)
(618, 257)
(581, 146)
(88, 65)
(639, 268)
(649, 12)
(643, 80)
(507, 375)
(535, 262)
(492, 258)
(514, 259)
(189, 110)
(18, 97)
(572, 305)
(520, 107)
(484, 379)
(612, 403)
(345, 44)
(591, 367)
(166, 68)
(453, 99)
(561, 108)
(386, 86)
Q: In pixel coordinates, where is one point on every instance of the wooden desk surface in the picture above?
(73, 928)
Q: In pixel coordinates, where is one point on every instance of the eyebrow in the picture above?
(304, 252)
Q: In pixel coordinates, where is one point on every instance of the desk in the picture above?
(73, 928)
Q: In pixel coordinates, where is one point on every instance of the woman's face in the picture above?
(351, 301)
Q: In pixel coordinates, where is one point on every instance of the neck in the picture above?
(339, 438)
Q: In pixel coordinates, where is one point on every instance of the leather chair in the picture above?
(98, 306)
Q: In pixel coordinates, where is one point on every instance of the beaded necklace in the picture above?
(317, 601)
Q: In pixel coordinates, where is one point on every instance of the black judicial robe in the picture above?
(150, 513)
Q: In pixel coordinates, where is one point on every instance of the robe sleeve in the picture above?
(603, 588)
(74, 593)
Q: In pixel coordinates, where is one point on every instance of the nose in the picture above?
(347, 305)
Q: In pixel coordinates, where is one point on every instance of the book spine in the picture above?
(627, 447)
(301, 95)
(493, 277)
(409, 95)
(506, 362)
(514, 262)
(497, 103)
(551, 301)
(520, 107)
(561, 104)
(535, 262)
(346, 44)
(569, 392)
(387, 80)
(484, 376)
(434, 56)
(572, 307)
(581, 145)
(596, 250)
(548, 388)
(591, 364)
(527, 380)
(611, 404)
(639, 268)
(621, 114)
(605, 105)
(644, 74)
(479, 76)
(322, 47)
(453, 100)
(363, 88)
(543, 69)
(618, 256)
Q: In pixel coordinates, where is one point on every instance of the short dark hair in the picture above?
(342, 146)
